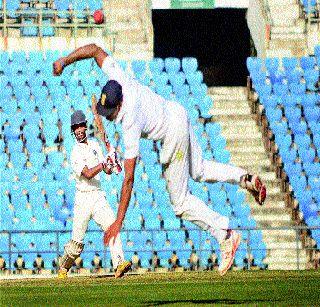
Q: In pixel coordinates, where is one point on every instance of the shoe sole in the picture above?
(125, 270)
(234, 249)
(262, 191)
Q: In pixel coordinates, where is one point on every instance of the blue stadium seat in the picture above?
(12, 7)
(307, 62)
(294, 76)
(290, 63)
(95, 5)
(297, 88)
(164, 91)
(272, 65)
(51, 134)
(172, 65)
(288, 155)
(312, 113)
(79, 8)
(311, 169)
(55, 158)
(22, 92)
(316, 139)
(277, 77)
(302, 140)
(29, 28)
(314, 127)
(12, 132)
(15, 146)
(254, 64)
(189, 65)
(177, 79)
(298, 127)
(294, 169)
(161, 79)
(138, 67)
(311, 76)
(156, 66)
(273, 114)
(293, 114)
(40, 93)
(280, 89)
(194, 78)
(62, 7)
(18, 159)
(199, 91)
(288, 101)
(307, 155)
(264, 91)
(4, 160)
(34, 145)
(309, 100)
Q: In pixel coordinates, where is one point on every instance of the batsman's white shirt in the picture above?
(90, 155)
(90, 200)
(146, 114)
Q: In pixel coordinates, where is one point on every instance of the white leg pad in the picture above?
(72, 251)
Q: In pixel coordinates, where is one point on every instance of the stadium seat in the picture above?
(311, 76)
(290, 63)
(29, 28)
(272, 65)
(156, 66)
(172, 65)
(307, 63)
(189, 65)
(18, 159)
(62, 7)
(254, 64)
(194, 78)
(12, 7)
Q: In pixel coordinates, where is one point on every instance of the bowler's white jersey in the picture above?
(143, 112)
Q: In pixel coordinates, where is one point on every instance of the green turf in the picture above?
(173, 289)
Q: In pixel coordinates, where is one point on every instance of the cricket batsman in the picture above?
(87, 161)
(143, 113)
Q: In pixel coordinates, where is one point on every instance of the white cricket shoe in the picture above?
(228, 248)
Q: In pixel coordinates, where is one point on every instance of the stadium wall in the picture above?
(258, 27)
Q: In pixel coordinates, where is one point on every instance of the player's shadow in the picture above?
(216, 301)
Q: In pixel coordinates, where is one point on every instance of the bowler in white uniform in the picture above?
(143, 113)
(87, 161)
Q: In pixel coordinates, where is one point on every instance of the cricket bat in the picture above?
(104, 137)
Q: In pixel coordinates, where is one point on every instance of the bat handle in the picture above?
(108, 145)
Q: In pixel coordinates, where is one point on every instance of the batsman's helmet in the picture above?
(77, 118)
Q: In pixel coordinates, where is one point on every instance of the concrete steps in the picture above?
(131, 20)
(288, 30)
(244, 141)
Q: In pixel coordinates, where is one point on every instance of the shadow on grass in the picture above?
(216, 301)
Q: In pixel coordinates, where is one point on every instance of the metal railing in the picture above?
(71, 22)
(301, 239)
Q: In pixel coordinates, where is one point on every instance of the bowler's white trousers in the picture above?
(182, 158)
(93, 204)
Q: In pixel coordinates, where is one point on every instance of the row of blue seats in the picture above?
(291, 118)
(12, 63)
(294, 82)
(288, 63)
(310, 6)
(14, 9)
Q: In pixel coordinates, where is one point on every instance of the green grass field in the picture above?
(172, 289)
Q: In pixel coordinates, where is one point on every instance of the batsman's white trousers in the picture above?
(182, 157)
(94, 205)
